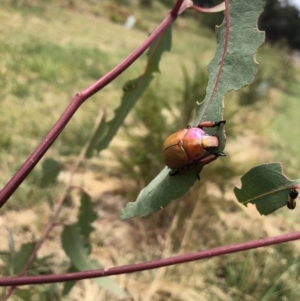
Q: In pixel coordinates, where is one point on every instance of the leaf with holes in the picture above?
(265, 186)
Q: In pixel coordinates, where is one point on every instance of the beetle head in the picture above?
(210, 141)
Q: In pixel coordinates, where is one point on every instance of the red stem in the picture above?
(28, 280)
(176, 8)
(78, 100)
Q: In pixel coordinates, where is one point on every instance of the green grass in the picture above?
(40, 79)
(285, 131)
(258, 275)
(40, 62)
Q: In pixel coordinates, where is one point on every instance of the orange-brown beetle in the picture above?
(191, 146)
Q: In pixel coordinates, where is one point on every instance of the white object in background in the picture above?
(130, 22)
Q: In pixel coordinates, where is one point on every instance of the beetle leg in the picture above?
(174, 172)
(197, 173)
(205, 161)
(193, 164)
(208, 159)
(211, 158)
(210, 124)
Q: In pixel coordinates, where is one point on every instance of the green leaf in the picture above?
(96, 138)
(133, 89)
(265, 186)
(87, 215)
(51, 169)
(239, 67)
(74, 247)
(158, 194)
(235, 71)
(79, 233)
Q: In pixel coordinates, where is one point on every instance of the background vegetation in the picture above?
(49, 51)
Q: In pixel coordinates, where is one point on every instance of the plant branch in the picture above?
(177, 6)
(28, 280)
